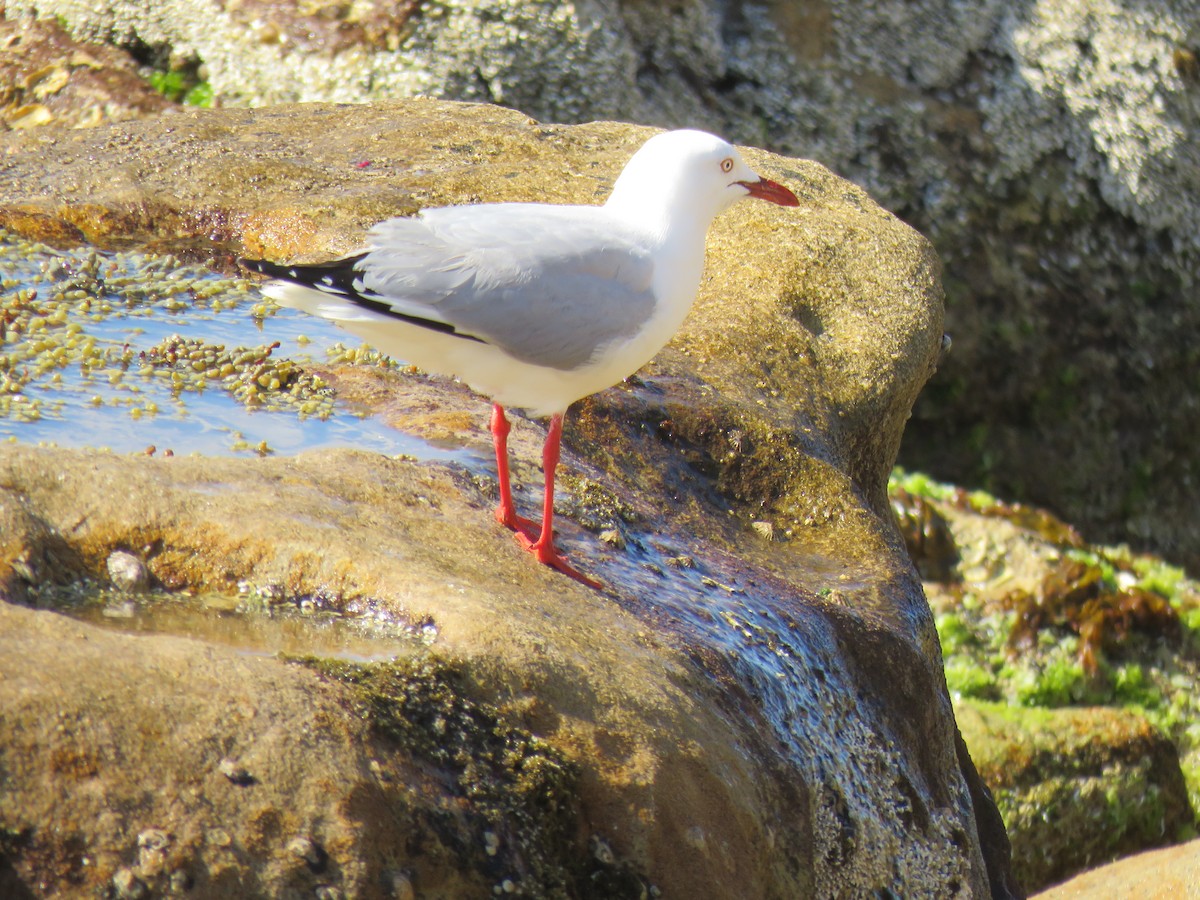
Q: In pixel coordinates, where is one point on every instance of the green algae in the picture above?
(142, 350)
(50, 340)
(1076, 787)
(1102, 627)
(920, 485)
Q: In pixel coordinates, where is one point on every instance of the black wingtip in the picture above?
(262, 267)
(337, 275)
(340, 277)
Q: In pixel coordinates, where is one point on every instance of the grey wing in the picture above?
(548, 284)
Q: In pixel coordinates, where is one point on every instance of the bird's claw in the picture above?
(521, 525)
(548, 556)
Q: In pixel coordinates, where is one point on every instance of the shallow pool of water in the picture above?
(248, 623)
(81, 341)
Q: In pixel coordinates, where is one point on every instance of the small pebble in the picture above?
(304, 848)
(127, 885)
(180, 882)
(235, 772)
(601, 852)
(613, 538)
(153, 839)
(127, 572)
(152, 846)
(124, 609)
(402, 886)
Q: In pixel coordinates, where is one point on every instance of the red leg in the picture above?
(543, 547)
(506, 512)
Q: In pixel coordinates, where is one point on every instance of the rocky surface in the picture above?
(1156, 875)
(673, 739)
(1078, 787)
(754, 707)
(1048, 149)
(1075, 670)
(48, 77)
(840, 312)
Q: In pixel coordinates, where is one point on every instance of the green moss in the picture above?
(170, 84)
(1062, 825)
(1190, 766)
(1132, 686)
(1161, 577)
(1094, 558)
(200, 95)
(182, 86)
(919, 485)
(1074, 787)
(981, 500)
(965, 679)
(1060, 683)
(955, 633)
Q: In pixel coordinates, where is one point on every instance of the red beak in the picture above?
(771, 191)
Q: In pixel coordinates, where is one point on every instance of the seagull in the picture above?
(537, 305)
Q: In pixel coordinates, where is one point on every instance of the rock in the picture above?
(236, 772)
(1167, 874)
(303, 849)
(1032, 619)
(49, 77)
(128, 886)
(660, 751)
(1076, 787)
(770, 720)
(817, 326)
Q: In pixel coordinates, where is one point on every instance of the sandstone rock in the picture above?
(770, 720)
(1165, 874)
(725, 755)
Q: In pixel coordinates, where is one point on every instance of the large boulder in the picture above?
(1078, 787)
(754, 707)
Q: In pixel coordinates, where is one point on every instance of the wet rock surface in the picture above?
(680, 720)
(735, 716)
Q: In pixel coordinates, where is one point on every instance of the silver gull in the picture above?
(537, 305)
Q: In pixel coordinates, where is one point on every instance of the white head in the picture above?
(692, 174)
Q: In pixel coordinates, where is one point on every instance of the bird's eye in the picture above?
(727, 165)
